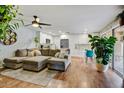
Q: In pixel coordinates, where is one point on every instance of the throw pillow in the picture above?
(45, 52)
(21, 53)
(37, 53)
(30, 53)
(61, 55)
(57, 54)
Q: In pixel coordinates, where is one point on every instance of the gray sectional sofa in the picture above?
(37, 59)
(35, 63)
(13, 62)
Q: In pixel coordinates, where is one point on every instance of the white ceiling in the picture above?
(71, 18)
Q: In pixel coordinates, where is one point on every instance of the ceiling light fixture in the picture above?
(60, 31)
(38, 19)
(50, 32)
(85, 30)
(35, 25)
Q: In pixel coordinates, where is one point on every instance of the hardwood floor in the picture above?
(78, 75)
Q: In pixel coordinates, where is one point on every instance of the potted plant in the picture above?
(36, 40)
(120, 17)
(103, 48)
(8, 19)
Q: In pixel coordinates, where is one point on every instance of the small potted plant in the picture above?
(103, 48)
(36, 40)
(120, 17)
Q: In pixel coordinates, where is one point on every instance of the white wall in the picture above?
(25, 39)
(74, 39)
(44, 36)
(56, 41)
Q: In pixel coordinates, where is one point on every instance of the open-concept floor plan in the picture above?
(79, 74)
(61, 46)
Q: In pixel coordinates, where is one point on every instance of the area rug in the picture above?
(41, 78)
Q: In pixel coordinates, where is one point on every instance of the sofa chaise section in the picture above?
(58, 64)
(36, 63)
(13, 62)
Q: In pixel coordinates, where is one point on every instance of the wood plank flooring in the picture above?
(78, 75)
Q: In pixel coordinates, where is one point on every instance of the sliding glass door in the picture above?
(118, 58)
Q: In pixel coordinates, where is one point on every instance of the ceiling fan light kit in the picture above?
(36, 23)
(38, 19)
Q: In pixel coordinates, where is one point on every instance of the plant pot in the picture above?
(102, 68)
(121, 21)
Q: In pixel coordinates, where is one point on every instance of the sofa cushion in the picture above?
(52, 52)
(45, 52)
(66, 56)
(58, 64)
(56, 60)
(14, 60)
(30, 53)
(35, 60)
(13, 65)
(34, 49)
(35, 63)
(21, 53)
(57, 54)
(34, 52)
(37, 53)
(61, 55)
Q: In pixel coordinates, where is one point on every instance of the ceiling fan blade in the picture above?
(28, 25)
(44, 24)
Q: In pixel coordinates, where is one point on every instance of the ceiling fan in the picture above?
(36, 22)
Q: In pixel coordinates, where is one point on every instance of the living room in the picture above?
(49, 45)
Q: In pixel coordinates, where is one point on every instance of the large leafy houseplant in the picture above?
(103, 48)
(8, 21)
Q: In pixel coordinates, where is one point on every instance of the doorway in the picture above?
(64, 43)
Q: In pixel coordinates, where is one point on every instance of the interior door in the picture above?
(64, 43)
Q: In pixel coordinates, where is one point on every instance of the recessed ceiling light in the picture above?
(85, 30)
(63, 33)
(60, 31)
(50, 32)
